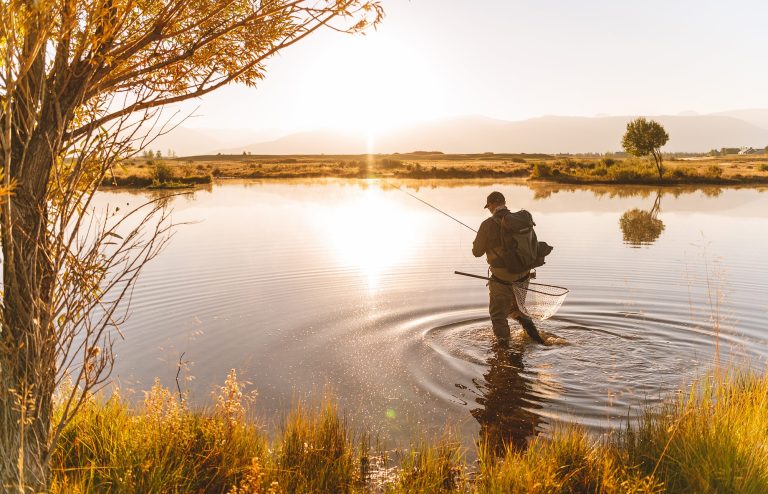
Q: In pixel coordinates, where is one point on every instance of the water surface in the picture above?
(349, 285)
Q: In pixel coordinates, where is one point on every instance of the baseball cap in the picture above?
(494, 197)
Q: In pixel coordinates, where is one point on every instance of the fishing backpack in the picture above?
(520, 249)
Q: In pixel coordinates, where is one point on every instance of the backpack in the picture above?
(520, 249)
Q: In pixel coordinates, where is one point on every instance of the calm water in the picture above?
(349, 285)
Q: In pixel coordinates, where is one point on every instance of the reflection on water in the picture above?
(642, 227)
(299, 285)
(370, 233)
(544, 190)
(508, 409)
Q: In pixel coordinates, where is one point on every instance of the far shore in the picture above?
(618, 169)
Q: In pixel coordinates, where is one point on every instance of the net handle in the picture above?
(565, 291)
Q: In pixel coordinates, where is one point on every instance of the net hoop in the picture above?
(562, 290)
(537, 300)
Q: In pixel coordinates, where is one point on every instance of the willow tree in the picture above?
(83, 82)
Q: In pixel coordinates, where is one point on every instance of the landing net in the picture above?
(538, 301)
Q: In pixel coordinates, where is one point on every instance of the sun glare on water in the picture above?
(372, 233)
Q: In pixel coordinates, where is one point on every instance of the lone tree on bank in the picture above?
(644, 137)
(83, 82)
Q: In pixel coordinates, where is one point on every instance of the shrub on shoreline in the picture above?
(163, 173)
(541, 170)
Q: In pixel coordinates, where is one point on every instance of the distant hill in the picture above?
(186, 141)
(755, 116)
(551, 134)
(477, 134)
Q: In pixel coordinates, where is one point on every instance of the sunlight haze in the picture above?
(510, 60)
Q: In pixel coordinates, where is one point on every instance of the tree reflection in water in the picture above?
(506, 402)
(642, 227)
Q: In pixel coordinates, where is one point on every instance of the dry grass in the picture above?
(712, 440)
(343, 166)
(730, 170)
(725, 170)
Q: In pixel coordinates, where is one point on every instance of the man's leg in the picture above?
(530, 328)
(525, 321)
(501, 300)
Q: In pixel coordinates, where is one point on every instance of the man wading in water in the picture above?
(489, 241)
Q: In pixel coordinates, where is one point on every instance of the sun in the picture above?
(375, 84)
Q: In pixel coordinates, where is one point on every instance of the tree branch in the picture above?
(160, 101)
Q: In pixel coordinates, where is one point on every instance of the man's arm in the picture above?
(481, 240)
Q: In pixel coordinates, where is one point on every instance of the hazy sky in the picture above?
(513, 60)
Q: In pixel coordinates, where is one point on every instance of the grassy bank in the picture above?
(720, 170)
(713, 440)
(156, 174)
(733, 170)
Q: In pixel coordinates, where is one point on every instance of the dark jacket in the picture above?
(488, 243)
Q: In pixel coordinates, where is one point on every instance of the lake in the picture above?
(348, 287)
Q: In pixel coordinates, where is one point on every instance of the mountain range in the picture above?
(476, 134)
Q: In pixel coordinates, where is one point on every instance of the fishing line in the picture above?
(428, 204)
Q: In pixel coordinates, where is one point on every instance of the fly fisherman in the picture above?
(490, 241)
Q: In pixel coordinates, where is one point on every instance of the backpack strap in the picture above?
(499, 222)
(519, 222)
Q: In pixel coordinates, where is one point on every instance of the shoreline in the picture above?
(176, 173)
(196, 183)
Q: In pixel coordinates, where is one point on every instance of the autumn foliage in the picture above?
(83, 82)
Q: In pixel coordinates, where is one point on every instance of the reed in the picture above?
(429, 467)
(711, 439)
(316, 452)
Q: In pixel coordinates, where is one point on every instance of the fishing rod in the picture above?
(559, 291)
(544, 299)
(428, 204)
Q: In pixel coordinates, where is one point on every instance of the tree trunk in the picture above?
(657, 162)
(27, 339)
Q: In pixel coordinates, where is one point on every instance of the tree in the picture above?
(646, 137)
(82, 85)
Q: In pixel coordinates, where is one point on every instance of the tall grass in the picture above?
(567, 462)
(432, 468)
(712, 439)
(161, 446)
(316, 452)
